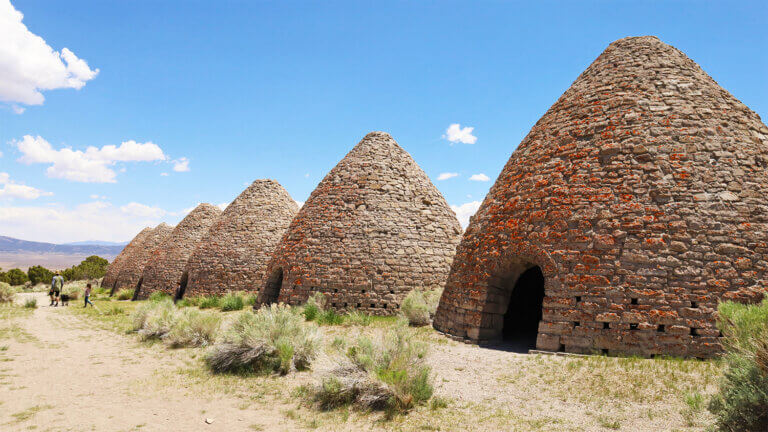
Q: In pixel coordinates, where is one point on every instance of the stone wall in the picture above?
(234, 253)
(133, 266)
(642, 196)
(165, 267)
(113, 269)
(374, 229)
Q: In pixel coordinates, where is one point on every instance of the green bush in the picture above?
(314, 306)
(158, 296)
(39, 274)
(209, 302)
(124, 294)
(6, 293)
(419, 306)
(30, 303)
(742, 401)
(272, 339)
(93, 267)
(389, 375)
(231, 302)
(329, 317)
(17, 277)
(192, 327)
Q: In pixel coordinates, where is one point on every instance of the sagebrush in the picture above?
(419, 306)
(273, 339)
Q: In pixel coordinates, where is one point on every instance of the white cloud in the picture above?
(97, 197)
(455, 133)
(479, 177)
(222, 206)
(446, 176)
(300, 203)
(164, 174)
(28, 65)
(143, 211)
(91, 166)
(181, 165)
(465, 211)
(61, 224)
(11, 189)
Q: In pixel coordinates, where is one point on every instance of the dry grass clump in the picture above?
(273, 339)
(742, 402)
(315, 309)
(154, 319)
(192, 327)
(419, 306)
(232, 302)
(30, 303)
(124, 294)
(6, 293)
(387, 375)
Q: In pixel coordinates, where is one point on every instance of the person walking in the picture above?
(87, 295)
(57, 284)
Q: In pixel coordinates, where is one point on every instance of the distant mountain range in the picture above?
(95, 243)
(13, 245)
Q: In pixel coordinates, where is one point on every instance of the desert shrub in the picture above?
(231, 302)
(419, 306)
(30, 303)
(250, 299)
(39, 274)
(16, 277)
(387, 375)
(153, 320)
(93, 267)
(159, 296)
(209, 302)
(742, 400)
(124, 294)
(192, 327)
(6, 293)
(272, 339)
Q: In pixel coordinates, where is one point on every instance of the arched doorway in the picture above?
(273, 286)
(182, 287)
(138, 288)
(524, 309)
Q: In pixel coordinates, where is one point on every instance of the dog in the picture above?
(64, 299)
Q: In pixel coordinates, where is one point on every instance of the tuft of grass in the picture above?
(154, 319)
(30, 303)
(273, 339)
(6, 293)
(124, 294)
(192, 327)
(314, 306)
(209, 302)
(114, 310)
(232, 302)
(358, 318)
(329, 317)
(387, 375)
(742, 400)
(159, 296)
(419, 306)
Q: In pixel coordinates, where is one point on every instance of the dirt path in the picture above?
(60, 375)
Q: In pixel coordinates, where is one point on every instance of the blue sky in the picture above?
(234, 91)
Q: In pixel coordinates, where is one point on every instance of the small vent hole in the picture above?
(606, 325)
(633, 326)
(633, 301)
(660, 329)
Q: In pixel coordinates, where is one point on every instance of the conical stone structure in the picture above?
(233, 255)
(133, 266)
(164, 270)
(113, 269)
(632, 207)
(374, 229)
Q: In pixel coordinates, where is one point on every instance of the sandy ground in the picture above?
(24, 260)
(73, 378)
(61, 373)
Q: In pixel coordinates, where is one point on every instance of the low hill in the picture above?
(23, 254)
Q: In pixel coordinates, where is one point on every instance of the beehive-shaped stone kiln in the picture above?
(634, 205)
(164, 269)
(374, 229)
(113, 269)
(233, 255)
(133, 265)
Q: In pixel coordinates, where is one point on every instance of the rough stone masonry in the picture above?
(165, 267)
(233, 255)
(113, 269)
(133, 265)
(643, 197)
(373, 230)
